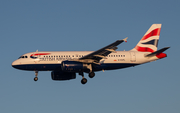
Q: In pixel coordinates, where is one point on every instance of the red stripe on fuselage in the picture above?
(40, 54)
(155, 32)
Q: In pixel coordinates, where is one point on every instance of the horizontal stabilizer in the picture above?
(157, 52)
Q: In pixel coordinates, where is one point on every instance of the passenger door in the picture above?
(132, 56)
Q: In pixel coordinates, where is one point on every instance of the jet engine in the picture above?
(60, 75)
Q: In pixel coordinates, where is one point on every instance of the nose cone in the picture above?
(14, 64)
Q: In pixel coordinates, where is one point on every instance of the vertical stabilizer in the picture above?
(149, 41)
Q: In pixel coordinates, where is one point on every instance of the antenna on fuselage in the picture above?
(37, 50)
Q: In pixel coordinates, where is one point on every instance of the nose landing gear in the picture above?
(36, 74)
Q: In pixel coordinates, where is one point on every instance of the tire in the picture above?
(35, 78)
(84, 81)
(91, 75)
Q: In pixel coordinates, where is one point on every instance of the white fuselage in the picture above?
(43, 61)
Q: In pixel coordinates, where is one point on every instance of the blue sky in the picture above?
(83, 25)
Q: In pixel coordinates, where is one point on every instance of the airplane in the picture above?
(65, 64)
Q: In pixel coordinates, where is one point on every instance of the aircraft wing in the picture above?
(96, 56)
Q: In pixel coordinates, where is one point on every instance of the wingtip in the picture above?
(125, 40)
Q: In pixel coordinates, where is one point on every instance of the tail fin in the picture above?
(149, 41)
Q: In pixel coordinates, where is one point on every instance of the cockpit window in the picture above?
(22, 57)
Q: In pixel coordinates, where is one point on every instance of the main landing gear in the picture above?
(36, 74)
(91, 75)
(84, 80)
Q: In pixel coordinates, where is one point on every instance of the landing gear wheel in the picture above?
(84, 81)
(91, 75)
(35, 78)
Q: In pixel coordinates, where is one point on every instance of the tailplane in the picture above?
(159, 54)
(149, 41)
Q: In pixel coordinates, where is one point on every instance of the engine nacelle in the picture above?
(73, 66)
(60, 75)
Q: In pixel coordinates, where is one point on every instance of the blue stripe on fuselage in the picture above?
(51, 67)
(39, 67)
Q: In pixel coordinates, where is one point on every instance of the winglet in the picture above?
(125, 40)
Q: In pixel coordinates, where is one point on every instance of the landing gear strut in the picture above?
(84, 80)
(36, 74)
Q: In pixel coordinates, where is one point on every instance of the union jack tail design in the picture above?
(149, 41)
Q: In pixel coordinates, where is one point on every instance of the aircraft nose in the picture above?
(14, 64)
